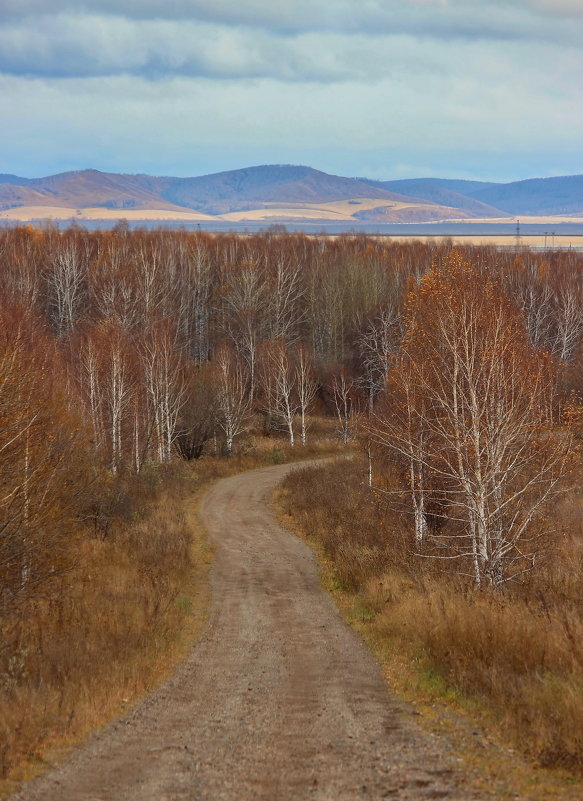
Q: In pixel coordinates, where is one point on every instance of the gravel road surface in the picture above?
(279, 701)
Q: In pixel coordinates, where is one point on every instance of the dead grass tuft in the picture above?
(518, 653)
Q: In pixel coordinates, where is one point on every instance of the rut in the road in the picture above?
(279, 700)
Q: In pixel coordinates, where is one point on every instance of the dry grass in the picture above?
(515, 657)
(114, 627)
(109, 632)
(28, 213)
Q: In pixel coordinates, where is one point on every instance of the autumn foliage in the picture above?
(470, 414)
(124, 354)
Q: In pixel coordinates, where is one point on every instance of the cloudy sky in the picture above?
(486, 89)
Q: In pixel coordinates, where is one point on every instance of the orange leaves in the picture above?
(42, 458)
(470, 419)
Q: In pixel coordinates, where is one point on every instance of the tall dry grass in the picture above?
(110, 629)
(519, 652)
(99, 635)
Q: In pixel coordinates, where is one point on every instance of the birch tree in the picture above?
(342, 390)
(245, 302)
(279, 386)
(307, 387)
(286, 292)
(482, 400)
(568, 318)
(66, 283)
(233, 399)
(376, 346)
(164, 374)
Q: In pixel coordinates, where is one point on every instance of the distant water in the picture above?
(393, 229)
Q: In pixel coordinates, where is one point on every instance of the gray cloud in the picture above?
(563, 8)
(90, 45)
(448, 18)
(85, 46)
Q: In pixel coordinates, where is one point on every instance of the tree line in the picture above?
(121, 348)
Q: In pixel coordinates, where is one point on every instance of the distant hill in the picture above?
(15, 180)
(236, 190)
(537, 196)
(452, 193)
(460, 185)
(213, 194)
(276, 193)
(534, 196)
(90, 188)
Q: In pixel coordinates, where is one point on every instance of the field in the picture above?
(381, 212)
(29, 213)
(537, 242)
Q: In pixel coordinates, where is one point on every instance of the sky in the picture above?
(386, 89)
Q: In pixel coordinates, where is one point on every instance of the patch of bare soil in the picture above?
(279, 700)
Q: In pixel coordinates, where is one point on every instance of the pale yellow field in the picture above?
(335, 211)
(338, 211)
(506, 240)
(28, 213)
(284, 214)
(549, 220)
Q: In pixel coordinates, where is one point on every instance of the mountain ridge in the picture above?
(280, 192)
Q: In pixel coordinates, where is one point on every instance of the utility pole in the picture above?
(517, 234)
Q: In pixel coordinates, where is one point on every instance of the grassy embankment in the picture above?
(509, 664)
(114, 627)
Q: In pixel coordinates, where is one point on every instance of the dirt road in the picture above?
(279, 701)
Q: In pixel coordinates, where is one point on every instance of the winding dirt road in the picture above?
(279, 701)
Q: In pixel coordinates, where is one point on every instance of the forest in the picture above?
(454, 373)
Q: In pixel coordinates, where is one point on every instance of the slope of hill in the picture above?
(535, 196)
(91, 188)
(237, 190)
(411, 186)
(561, 195)
(15, 180)
(452, 193)
(412, 213)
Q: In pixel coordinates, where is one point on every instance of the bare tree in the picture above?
(307, 387)
(482, 398)
(166, 386)
(342, 388)
(66, 281)
(244, 313)
(233, 400)
(284, 305)
(377, 345)
(279, 386)
(195, 288)
(568, 316)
